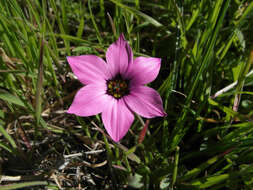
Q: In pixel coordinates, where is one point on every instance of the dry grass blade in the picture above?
(39, 84)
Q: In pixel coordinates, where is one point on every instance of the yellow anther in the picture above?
(117, 88)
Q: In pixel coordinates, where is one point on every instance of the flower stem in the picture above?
(140, 119)
(109, 159)
(175, 167)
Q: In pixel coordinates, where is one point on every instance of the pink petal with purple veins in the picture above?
(117, 119)
(119, 56)
(145, 101)
(144, 70)
(90, 100)
(89, 68)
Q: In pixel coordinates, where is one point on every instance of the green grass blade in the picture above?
(175, 167)
(6, 96)
(248, 13)
(94, 23)
(80, 28)
(23, 185)
(8, 137)
(209, 181)
(138, 13)
(6, 147)
(194, 172)
(61, 27)
(243, 73)
(180, 128)
(227, 110)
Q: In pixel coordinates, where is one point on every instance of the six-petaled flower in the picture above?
(116, 88)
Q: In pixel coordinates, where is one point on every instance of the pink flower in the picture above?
(116, 88)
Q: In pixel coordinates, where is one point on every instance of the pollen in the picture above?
(117, 87)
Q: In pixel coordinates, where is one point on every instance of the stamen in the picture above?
(117, 87)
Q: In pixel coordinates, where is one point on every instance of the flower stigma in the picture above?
(117, 87)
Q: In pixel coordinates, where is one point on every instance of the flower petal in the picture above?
(89, 100)
(88, 68)
(144, 70)
(145, 101)
(119, 56)
(117, 119)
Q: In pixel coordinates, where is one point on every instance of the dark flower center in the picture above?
(117, 87)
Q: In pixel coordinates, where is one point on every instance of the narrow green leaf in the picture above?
(194, 16)
(131, 150)
(6, 147)
(241, 79)
(64, 15)
(80, 28)
(180, 129)
(175, 167)
(94, 23)
(6, 96)
(60, 24)
(8, 137)
(23, 185)
(139, 13)
(131, 154)
(209, 181)
(194, 172)
(248, 13)
(75, 39)
(227, 110)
